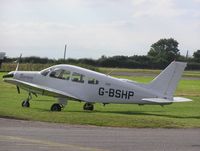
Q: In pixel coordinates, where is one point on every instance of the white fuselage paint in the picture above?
(108, 89)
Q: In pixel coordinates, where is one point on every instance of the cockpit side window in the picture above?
(77, 77)
(60, 74)
(93, 81)
(66, 75)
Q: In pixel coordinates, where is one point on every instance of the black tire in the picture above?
(25, 103)
(88, 107)
(56, 107)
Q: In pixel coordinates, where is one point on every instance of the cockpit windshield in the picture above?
(60, 74)
(45, 72)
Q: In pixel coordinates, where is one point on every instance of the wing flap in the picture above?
(39, 89)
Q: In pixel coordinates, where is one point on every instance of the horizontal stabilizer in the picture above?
(166, 101)
(180, 99)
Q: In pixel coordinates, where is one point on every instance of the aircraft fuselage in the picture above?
(103, 88)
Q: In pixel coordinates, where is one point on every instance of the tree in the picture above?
(164, 51)
(196, 56)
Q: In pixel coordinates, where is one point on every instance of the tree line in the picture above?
(159, 56)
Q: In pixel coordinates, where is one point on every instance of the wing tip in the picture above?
(181, 99)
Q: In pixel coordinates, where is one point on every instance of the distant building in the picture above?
(2, 55)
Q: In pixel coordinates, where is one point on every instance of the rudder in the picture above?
(166, 82)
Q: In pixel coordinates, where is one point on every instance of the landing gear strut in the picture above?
(26, 103)
(88, 106)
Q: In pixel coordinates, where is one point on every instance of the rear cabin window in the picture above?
(60, 74)
(93, 81)
(65, 75)
(77, 77)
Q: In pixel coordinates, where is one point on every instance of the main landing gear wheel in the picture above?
(56, 107)
(88, 107)
(25, 103)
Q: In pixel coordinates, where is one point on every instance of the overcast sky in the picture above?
(92, 28)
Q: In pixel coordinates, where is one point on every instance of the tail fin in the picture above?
(166, 82)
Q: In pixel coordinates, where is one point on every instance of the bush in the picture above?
(193, 66)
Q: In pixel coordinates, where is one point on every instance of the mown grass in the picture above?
(180, 115)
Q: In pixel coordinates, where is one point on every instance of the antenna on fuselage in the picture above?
(65, 52)
(111, 71)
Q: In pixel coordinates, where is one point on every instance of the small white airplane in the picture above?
(68, 81)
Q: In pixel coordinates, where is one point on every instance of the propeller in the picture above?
(18, 61)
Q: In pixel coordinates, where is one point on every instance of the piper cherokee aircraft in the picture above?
(68, 81)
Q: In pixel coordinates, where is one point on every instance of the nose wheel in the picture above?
(26, 103)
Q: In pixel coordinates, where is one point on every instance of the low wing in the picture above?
(38, 89)
(166, 101)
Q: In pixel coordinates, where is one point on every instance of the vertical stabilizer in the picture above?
(166, 82)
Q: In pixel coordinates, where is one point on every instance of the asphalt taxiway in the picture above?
(19, 135)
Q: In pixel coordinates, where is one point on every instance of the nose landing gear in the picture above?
(26, 103)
